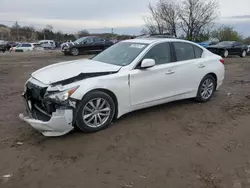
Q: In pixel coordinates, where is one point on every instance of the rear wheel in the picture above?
(225, 53)
(74, 51)
(206, 89)
(243, 54)
(96, 111)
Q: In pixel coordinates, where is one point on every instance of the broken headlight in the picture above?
(63, 95)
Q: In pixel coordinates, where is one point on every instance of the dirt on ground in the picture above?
(180, 144)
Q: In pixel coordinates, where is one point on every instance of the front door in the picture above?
(152, 84)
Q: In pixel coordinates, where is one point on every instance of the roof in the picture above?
(153, 40)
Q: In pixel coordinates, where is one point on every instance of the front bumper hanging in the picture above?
(60, 122)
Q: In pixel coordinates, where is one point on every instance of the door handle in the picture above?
(170, 72)
(201, 65)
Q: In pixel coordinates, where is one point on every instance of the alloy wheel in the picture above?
(96, 112)
(207, 89)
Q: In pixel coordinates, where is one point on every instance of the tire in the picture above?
(89, 119)
(225, 53)
(74, 51)
(205, 86)
(243, 53)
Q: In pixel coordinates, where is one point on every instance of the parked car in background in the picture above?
(47, 44)
(86, 44)
(227, 48)
(6, 45)
(37, 46)
(24, 47)
(130, 75)
(3, 46)
(248, 50)
(207, 43)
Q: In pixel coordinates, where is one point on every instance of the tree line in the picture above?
(189, 19)
(30, 34)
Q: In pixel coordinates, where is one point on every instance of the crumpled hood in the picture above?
(66, 70)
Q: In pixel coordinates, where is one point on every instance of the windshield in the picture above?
(80, 40)
(226, 43)
(121, 54)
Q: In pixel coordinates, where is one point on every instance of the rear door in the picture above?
(99, 44)
(237, 48)
(87, 45)
(189, 68)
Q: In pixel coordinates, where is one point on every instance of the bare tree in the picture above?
(169, 11)
(154, 23)
(195, 15)
(4, 33)
(82, 33)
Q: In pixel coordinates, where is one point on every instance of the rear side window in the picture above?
(197, 51)
(98, 39)
(184, 51)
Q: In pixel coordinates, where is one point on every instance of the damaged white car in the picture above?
(128, 76)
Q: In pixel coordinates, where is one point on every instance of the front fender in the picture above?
(118, 85)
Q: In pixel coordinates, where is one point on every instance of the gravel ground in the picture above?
(180, 144)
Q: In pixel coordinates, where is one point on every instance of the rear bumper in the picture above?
(59, 124)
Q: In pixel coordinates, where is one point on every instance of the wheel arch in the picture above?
(111, 94)
(214, 76)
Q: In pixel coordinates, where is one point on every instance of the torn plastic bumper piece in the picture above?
(59, 124)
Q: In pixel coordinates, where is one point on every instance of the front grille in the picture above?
(40, 108)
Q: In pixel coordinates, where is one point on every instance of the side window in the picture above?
(160, 53)
(98, 39)
(26, 45)
(184, 51)
(237, 44)
(89, 40)
(197, 51)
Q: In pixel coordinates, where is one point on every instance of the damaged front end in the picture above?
(50, 111)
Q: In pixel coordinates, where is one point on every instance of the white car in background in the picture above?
(24, 47)
(130, 75)
(47, 44)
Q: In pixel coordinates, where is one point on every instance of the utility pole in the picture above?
(112, 32)
(17, 32)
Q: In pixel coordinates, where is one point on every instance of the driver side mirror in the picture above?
(147, 63)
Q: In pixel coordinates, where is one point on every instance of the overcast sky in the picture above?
(74, 15)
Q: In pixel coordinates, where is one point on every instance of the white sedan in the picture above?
(130, 75)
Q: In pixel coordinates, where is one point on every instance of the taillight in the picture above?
(222, 61)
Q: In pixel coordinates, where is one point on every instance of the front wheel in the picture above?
(206, 89)
(96, 111)
(243, 54)
(74, 51)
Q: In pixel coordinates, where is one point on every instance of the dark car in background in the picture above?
(86, 44)
(227, 48)
(5, 45)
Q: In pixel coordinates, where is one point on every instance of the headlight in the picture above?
(63, 95)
